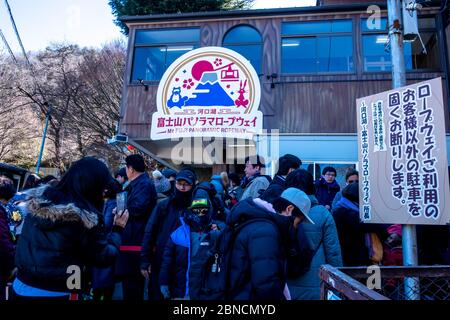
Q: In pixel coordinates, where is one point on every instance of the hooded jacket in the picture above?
(186, 252)
(257, 268)
(322, 238)
(56, 236)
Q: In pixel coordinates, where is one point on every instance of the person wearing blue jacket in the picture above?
(187, 250)
(321, 238)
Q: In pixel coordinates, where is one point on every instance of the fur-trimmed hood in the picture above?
(49, 214)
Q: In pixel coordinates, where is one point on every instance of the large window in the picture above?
(246, 41)
(376, 55)
(317, 47)
(155, 50)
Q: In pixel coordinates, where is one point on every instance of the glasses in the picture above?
(352, 181)
(200, 211)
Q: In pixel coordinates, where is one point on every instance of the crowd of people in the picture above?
(236, 238)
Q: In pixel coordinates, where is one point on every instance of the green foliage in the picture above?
(146, 7)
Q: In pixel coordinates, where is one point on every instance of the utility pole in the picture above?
(409, 237)
(47, 119)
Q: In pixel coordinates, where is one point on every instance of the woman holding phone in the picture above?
(64, 232)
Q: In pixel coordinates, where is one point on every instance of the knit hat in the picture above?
(187, 175)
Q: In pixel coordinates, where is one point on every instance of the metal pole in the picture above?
(409, 239)
(47, 118)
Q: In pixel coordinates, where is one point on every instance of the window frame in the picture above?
(318, 35)
(386, 32)
(159, 45)
(261, 43)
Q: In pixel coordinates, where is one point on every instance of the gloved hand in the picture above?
(165, 292)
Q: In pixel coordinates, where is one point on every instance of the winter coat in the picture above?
(325, 192)
(104, 277)
(141, 200)
(352, 233)
(6, 248)
(336, 200)
(164, 219)
(110, 204)
(184, 257)
(257, 268)
(218, 185)
(256, 186)
(323, 239)
(55, 237)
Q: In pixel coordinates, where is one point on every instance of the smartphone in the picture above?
(121, 201)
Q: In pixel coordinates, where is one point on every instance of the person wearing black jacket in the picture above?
(258, 258)
(141, 199)
(351, 231)
(64, 231)
(286, 164)
(164, 219)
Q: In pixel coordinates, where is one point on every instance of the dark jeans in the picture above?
(133, 287)
(154, 293)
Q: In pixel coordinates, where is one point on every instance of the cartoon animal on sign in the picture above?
(241, 101)
(176, 100)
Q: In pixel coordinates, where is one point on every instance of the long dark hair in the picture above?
(83, 185)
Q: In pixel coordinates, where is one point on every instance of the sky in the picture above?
(84, 22)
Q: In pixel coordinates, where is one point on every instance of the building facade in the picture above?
(313, 63)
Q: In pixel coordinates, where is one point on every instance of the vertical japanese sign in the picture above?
(403, 156)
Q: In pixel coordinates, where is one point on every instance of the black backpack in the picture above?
(216, 271)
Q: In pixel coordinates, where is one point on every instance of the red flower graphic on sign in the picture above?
(187, 84)
(218, 62)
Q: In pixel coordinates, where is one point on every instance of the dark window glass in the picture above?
(156, 50)
(299, 55)
(246, 41)
(377, 59)
(317, 54)
(174, 52)
(315, 27)
(335, 54)
(318, 47)
(152, 37)
(242, 34)
(149, 63)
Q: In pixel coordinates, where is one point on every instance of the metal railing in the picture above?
(425, 283)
